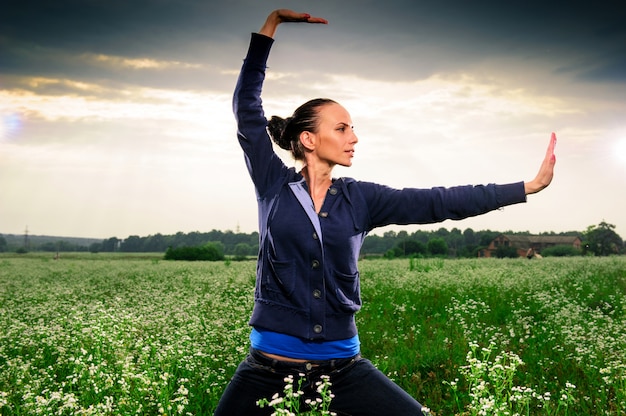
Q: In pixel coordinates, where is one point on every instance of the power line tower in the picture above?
(26, 240)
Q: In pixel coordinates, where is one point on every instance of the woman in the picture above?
(311, 227)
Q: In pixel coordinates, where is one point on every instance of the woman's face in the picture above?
(335, 139)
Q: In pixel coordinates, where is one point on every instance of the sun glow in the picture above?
(10, 124)
(620, 150)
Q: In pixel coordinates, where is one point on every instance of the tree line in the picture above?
(598, 239)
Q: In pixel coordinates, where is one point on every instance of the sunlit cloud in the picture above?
(139, 63)
(104, 103)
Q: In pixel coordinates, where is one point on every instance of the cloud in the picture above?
(192, 44)
(609, 70)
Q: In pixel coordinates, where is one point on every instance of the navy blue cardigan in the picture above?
(307, 282)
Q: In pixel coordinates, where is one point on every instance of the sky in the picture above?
(116, 120)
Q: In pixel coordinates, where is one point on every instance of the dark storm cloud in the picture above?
(110, 27)
(396, 39)
(60, 39)
(420, 37)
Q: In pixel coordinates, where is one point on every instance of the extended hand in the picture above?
(546, 171)
(284, 15)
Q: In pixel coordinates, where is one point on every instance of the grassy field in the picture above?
(112, 335)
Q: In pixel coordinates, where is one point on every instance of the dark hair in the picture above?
(286, 131)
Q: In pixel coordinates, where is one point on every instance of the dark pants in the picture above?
(360, 389)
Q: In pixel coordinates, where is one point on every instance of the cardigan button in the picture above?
(317, 329)
(315, 237)
(324, 214)
(317, 293)
(333, 191)
(315, 264)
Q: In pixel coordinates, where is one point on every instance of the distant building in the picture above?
(527, 245)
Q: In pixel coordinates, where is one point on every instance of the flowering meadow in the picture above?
(93, 334)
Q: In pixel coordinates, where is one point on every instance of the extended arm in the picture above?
(424, 206)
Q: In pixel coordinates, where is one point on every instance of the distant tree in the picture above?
(207, 252)
(602, 240)
(421, 236)
(63, 245)
(469, 245)
(561, 251)
(215, 250)
(218, 246)
(375, 244)
(437, 246)
(389, 234)
(469, 237)
(415, 247)
(95, 247)
(198, 239)
(455, 241)
(48, 246)
(409, 247)
(486, 237)
(4, 246)
(110, 245)
(242, 251)
(155, 243)
(132, 244)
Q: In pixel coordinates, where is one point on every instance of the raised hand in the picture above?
(546, 171)
(285, 15)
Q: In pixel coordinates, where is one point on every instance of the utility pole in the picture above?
(26, 244)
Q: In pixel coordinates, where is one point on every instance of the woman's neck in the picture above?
(318, 181)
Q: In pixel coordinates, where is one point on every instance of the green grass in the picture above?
(95, 334)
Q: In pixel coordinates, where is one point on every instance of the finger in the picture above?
(550, 151)
(317, 20)
(309, 19)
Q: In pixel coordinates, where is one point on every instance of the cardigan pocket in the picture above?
(281, 281)
(348, 291)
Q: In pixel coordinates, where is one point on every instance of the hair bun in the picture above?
(276, 128)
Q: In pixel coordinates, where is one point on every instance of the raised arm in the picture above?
(546, 171)
(284, 15)
(264, 165)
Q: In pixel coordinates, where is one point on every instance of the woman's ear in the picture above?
(308, 140)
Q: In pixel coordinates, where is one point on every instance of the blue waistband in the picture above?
(294, 347)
